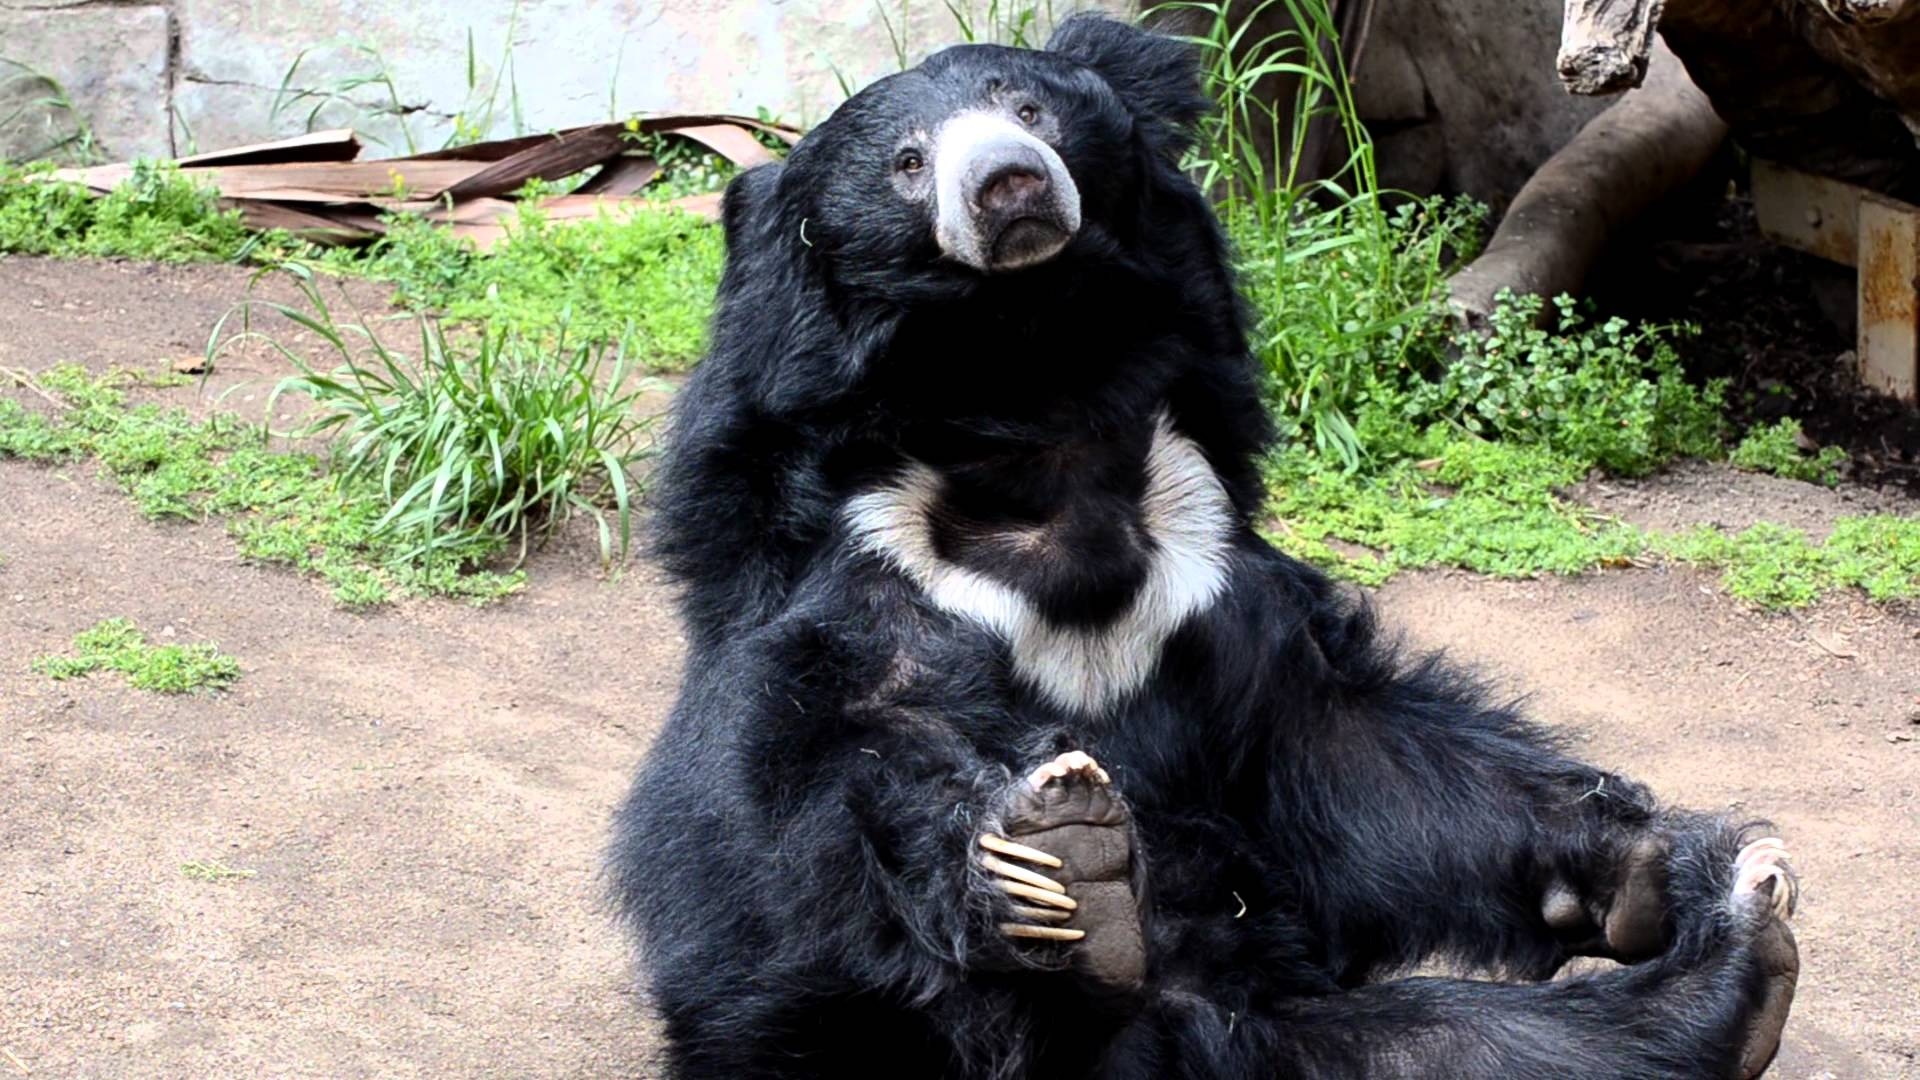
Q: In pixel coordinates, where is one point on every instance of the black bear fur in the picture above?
(1317, 812)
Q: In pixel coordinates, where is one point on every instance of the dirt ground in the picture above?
(422, 793)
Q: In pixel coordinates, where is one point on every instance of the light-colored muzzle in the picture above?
(1003, 198)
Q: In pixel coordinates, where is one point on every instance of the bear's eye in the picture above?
(909, 161)
(1029, 114)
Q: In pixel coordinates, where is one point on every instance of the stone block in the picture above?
(110, 62)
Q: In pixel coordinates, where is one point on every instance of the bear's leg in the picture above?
(1421, 821)
(1714, 1016)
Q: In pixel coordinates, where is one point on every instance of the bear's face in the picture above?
(987, 160)
(962, 159)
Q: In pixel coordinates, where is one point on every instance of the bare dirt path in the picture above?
(421, 794)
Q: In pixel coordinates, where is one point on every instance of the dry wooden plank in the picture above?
(1889, 262)
(707, 206)
(338, 144)
(663, 122)
(98, 179)
(326, 226)
(624, 175)
(343, 180)
(552, 158)
(1814, 214)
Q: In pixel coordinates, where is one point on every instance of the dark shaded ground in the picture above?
(1778, 323)
(422, 793)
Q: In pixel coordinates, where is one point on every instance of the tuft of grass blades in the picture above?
(118, 645)
(471, 437)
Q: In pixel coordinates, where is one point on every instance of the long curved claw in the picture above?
(1022, 874)
(1002, 846)
(1040, 896)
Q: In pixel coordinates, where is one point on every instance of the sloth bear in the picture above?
(1007, 748)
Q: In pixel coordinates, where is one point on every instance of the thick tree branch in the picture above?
(1654, 140)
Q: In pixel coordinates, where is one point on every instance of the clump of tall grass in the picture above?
(1344, 284)
(473, 437)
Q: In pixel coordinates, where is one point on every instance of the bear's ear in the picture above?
(1157, 77)
(747, 206)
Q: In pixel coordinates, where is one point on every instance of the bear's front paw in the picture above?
(1066, 863)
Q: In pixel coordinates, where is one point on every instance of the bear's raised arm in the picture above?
(831, 798)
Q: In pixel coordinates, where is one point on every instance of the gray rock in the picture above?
(111, 62)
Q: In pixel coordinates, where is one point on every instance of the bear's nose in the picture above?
(1017, 179)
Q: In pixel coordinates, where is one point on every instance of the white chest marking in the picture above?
(1187, 515)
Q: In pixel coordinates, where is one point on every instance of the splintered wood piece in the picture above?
(1043, 933)
(558, 156)
(99, 179)
(1022, 852)
(624, 175)
(339, 144)
(1889, 297)
(730, 142)
(334, 225)
(1605, 45)
(336, 181)
(786, 134)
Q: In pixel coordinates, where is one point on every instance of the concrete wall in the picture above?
(167, 76)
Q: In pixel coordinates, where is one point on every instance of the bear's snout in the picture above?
(1014, 184)
(1004, 198)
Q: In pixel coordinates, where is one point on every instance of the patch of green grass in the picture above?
(469, 441)
(1475, 504)
(213, 870)
(1463, 461)
(1777, 567)
(118, 645)
(157, 214)
(283, 508)
(1776, 450)
(645, 279)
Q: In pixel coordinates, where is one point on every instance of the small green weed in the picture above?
(1483, 506)
(213, 870)
(471, 441)
(281, 507)
(1776, 450)
(118, 645)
